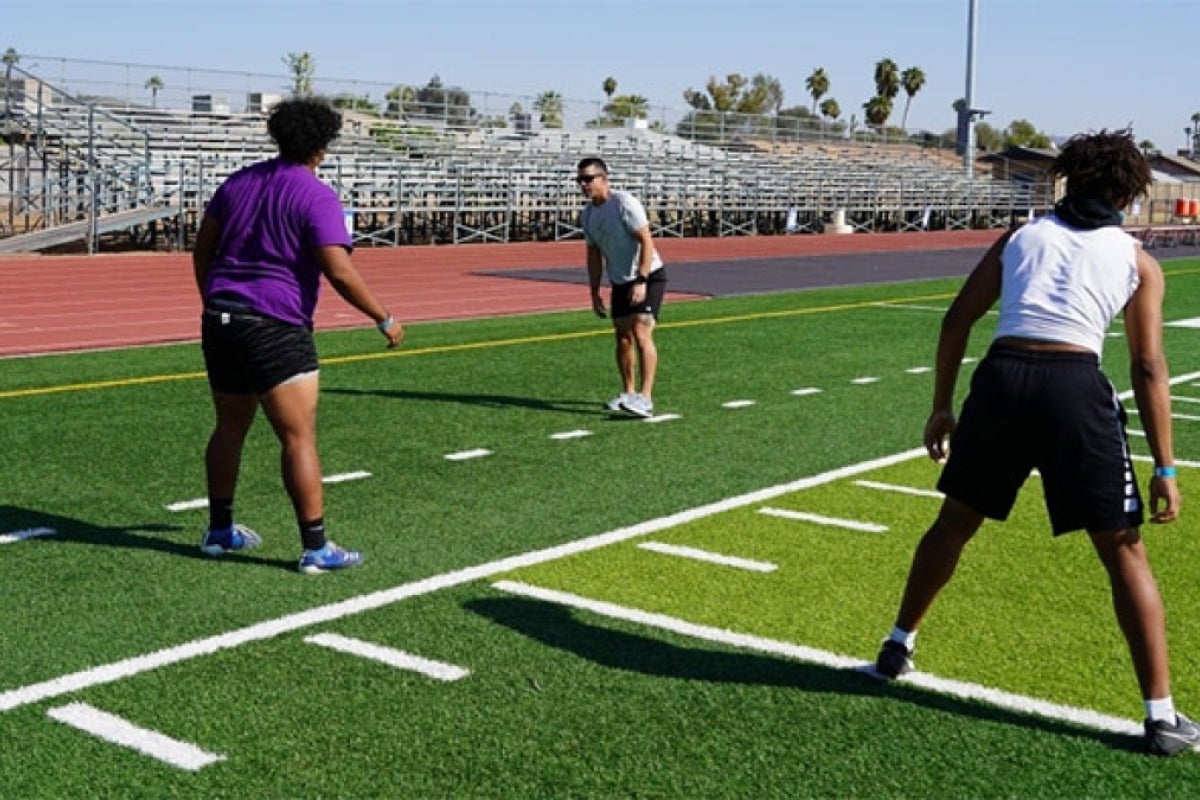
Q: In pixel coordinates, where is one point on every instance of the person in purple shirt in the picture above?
(269, 233)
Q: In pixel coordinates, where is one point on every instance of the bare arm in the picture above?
(345, 279)
(1149, 377)
(977, 295)
(207, 239)
(595, 268)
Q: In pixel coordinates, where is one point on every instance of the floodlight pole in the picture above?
(969, 99)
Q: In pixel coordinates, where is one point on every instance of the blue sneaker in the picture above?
(236, 537)
(328, 558)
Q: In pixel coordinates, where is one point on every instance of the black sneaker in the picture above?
(894, 660)
(1165, 739)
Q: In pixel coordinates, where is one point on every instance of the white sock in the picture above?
(906, 638)
(1161, 709)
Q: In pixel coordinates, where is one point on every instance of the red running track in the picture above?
(54, 304)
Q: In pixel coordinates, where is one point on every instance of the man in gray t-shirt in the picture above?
(617, 233)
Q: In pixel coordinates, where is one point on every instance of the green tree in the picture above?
(609, 86)
(354, 102)
(830, 109)
(400, 100)
(1022, 133)
(155, 85)
(887, 79)
(1148, 148)
(912, 80)
(621, 108)
(302, 67)
(817, 85)
(988, 138)
(452, 104)
(761, 94)
(10, 57)
(1194, 133)
(549, 106)
(877, 110)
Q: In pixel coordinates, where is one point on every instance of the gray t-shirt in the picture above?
(609, 227)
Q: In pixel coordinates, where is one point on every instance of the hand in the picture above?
(637, 295)
(937, 434)
(598, 305)
(394, 334)
(1164, 500)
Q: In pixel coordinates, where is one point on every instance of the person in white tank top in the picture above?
(1039, 401)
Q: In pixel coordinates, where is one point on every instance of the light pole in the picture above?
(968, 110)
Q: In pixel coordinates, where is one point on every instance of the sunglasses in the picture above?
(587, 179)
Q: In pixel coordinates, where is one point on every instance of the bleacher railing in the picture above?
(65, 160)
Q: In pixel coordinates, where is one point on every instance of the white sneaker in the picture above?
(637, 405)
(615, 403)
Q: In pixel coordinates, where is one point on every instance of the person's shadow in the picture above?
(563, 629)
(567, 406)
(58, 529)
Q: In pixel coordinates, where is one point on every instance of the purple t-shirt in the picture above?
(273, 214)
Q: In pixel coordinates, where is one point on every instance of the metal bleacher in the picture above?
(73, 169)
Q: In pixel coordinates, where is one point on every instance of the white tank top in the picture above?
(1061, 284)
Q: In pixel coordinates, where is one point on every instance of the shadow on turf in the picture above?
(580, 407)
(140, 537)
(560, 627)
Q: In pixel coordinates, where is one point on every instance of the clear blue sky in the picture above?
(1065, 65)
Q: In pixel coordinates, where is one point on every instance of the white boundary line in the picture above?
(112, 728)
(390, 656)
(467, 455)
(970, 691)
(269, 629)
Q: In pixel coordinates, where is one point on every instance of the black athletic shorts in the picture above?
(656, 287)
(1055, 412)
(248, 353)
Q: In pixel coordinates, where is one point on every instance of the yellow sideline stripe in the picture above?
(467, 346)
(453, 348)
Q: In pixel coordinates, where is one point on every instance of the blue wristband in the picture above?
(387, 323)
(1164, 472)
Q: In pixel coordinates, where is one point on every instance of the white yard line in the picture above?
(806, 391)
(386, 655)
(320, 615)
(738, 404)
(467, 455)
(202, 502)
(119, 731)
(821, 519)
(696, 554)
(30, 533)
(810, 655)
(892, 487)
(576, 434)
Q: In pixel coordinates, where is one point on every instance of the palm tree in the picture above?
(1195, 134)
(877, 110)
(155, 85)
(912, 80)
(830, 109)
(10, 57)
(549, 105)
(610, 86)
(887, 79)
(817, 85)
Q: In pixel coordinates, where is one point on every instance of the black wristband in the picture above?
(641, 279)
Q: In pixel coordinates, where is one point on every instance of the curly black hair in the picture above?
(1106, 166)
(301, 126)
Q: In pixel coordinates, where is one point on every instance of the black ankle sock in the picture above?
(220, 513)
(312, 534)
